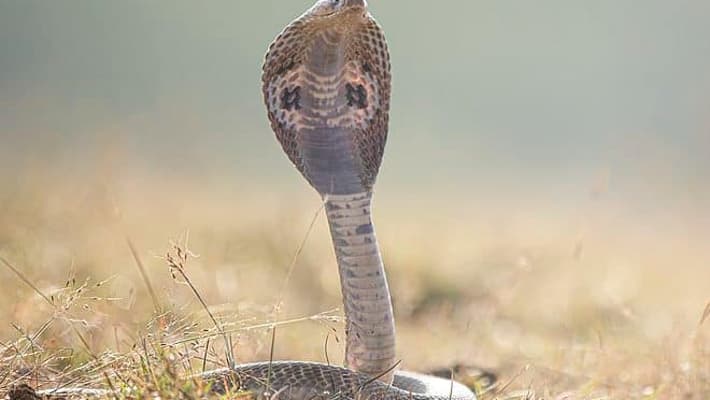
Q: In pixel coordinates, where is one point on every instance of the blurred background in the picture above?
(544, 191)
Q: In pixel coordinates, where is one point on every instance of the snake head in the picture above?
(331, 8)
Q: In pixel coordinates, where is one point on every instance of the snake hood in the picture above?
(326, 86)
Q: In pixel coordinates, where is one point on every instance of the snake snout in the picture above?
(356, 3)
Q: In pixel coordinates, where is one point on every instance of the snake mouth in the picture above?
(352, 11)
(347, 11)
(347, 7)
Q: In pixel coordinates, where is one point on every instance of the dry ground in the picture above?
(580, 305)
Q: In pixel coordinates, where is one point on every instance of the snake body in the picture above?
(326, 85)
(296, 380)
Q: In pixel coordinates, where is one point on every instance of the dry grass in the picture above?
(607, 314)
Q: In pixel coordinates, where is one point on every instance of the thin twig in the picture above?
(25, 280)
(512, 379)
(292, 321)
(706, 314)
(148, 365)
(381, 374)
(451, 387)
(325, 349)
(144, 274)
(204, 356)
(296, 255)
(271, 359)
(179, 265)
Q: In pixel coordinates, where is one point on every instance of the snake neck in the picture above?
(370, 343)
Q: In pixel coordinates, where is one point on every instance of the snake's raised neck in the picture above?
(326, 85)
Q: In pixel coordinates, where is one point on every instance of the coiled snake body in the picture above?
(326, 85)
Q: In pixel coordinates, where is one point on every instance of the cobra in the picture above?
(326, 85)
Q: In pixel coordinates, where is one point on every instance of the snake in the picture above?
(326, 84)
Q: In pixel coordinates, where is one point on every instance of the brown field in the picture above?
(557, 304)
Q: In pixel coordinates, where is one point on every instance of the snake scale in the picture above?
(326, 86)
